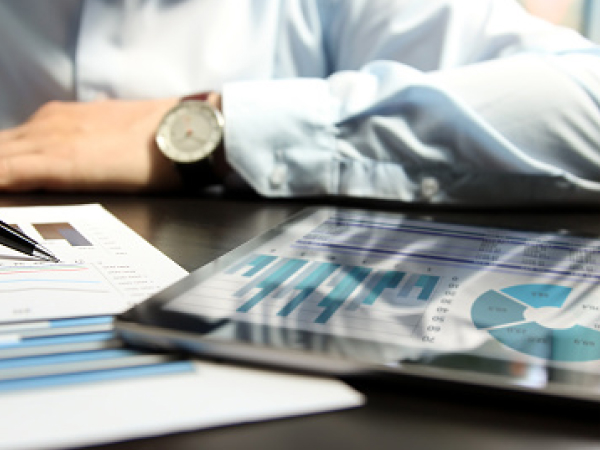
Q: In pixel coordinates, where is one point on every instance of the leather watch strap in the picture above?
(199, 175)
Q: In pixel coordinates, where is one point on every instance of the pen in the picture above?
(13, 238)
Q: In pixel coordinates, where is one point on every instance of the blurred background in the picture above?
(582, 15)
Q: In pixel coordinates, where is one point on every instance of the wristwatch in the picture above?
(189, 134)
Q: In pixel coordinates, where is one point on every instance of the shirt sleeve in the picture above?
(516, 124)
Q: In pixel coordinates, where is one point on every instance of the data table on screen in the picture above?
(385, 278)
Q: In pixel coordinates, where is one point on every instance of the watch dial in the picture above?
(190, 131)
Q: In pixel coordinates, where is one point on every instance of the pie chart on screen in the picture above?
(530, 319)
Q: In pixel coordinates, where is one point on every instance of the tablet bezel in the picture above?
(149, 324)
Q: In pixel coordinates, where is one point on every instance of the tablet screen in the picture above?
(381, 290)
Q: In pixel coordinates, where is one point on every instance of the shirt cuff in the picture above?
(280, 136)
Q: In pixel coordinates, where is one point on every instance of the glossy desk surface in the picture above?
(194, 231)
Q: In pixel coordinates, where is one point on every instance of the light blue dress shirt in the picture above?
(434, 101)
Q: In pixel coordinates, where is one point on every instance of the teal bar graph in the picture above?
(427, 284)
(340, 293)
(273, 281)
(308, 285)
(294, 281)
(260, 278)
(374, 288)
(258, 263)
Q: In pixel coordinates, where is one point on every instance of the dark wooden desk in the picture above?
(194, 231)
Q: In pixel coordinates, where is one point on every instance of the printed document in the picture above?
(67, 380)
(105, 266)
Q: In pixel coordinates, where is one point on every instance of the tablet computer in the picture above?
(343, 291)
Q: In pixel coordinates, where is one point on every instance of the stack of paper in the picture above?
(66, 379)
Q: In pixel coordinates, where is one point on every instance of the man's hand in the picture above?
(98, 146)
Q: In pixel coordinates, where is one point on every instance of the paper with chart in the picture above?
(71, 381)
(423, 285)
(105, 266)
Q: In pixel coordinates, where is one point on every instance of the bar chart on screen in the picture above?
(332, 278)
(386, 278)
(286, 276)
(330, 297)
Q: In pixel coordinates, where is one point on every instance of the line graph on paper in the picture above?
(105, 266)
(40, 290)
(64, 277)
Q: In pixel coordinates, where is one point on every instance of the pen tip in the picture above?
(50, 258)
(44, 254)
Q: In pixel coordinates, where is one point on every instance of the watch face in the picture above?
(190, 131)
